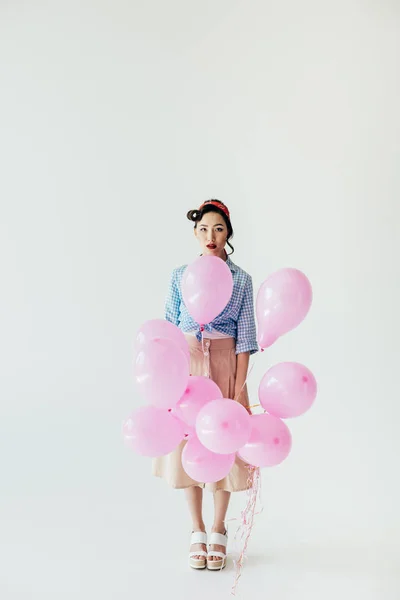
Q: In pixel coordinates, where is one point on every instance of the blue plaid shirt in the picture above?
(236, 320)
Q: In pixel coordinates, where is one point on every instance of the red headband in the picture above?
(218, 205)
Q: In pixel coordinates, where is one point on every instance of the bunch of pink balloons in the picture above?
(184, 407)
(287, 389)
(161, 365)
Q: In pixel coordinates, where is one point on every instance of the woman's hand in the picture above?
(241, 376)
(243, 400)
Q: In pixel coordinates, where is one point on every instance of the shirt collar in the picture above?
(231, 265)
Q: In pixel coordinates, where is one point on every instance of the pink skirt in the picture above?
(219, 362)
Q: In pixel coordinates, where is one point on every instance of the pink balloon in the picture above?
(287, 389)
(207, 287)
(152, 431)
(283, 301)
(269, 444)
(156, 328)
(188, 429)
(199, 391)
(223, 426)
(205, 466)
(190, 432)
(162, 372)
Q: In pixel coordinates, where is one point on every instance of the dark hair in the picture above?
(196, 215)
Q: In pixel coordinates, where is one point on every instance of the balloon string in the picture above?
(245, 527)
(205, 367)
(245, 381)
(247, 520)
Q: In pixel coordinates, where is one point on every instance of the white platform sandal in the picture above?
(198, 537)
(221, 540)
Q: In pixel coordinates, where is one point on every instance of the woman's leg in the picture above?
(194, 497)
(221, 503)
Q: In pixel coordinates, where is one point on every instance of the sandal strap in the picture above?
(218, 538)
(219, 554)
(198, 537)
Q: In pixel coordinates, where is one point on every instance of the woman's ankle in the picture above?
(219, 528)
(199, 527)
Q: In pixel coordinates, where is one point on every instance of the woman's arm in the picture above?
(246, 343)
(246, 340)
(173, 301)
(241, 375)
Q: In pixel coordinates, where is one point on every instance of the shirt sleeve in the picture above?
(173, 301)
(246, 340)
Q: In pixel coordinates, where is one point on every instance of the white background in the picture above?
(116, 118)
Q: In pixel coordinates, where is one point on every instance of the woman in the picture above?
(228, 343)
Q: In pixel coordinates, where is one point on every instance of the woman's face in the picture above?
(212, 233)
